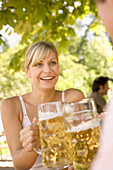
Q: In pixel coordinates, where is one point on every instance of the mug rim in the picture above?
(42, 104)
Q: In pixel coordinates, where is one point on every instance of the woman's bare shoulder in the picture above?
(9, 104)
(9, 101)
(73, 95)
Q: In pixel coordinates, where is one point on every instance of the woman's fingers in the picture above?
(29, 136)
(35, 120)
(28, 140)
(31, 146)
(31, 130)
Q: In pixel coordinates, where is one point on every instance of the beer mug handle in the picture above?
(37, 151)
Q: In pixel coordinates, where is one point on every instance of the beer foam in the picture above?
(49, 115)
(85, 125)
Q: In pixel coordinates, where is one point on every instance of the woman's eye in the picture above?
(38, 64)
(53, 63)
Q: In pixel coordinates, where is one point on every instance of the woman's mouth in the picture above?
(47, 78)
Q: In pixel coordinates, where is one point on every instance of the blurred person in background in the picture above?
(99, 89)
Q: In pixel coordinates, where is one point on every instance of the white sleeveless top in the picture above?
(26, 121)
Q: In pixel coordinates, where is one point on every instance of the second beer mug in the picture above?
(83, 124)
(53, 137)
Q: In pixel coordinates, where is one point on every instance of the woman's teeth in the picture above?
(46, 78)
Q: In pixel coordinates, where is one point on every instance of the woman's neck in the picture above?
(38, 97)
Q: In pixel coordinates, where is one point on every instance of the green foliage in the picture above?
(79, 69)
(49, 20)
(11, 84)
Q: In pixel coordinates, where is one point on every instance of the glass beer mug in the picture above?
(83, 129)
(53, 137)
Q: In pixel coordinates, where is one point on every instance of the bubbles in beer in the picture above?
(54, 142)
(84, 141)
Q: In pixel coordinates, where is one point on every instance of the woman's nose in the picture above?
(46, 68)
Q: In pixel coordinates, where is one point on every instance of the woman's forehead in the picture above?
(49, 55)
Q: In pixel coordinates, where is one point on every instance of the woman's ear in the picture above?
(27, 72)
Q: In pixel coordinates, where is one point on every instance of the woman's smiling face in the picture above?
(44, 74)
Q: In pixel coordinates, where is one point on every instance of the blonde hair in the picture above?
(37, 52)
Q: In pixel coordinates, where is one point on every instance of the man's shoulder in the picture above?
(93, 94)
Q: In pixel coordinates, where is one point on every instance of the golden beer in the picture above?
(84, 142)
(54, 142)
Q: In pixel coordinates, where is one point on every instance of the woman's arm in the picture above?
(10, 113)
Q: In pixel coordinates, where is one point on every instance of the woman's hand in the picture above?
(29, 136)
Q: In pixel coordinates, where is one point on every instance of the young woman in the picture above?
(18, 113)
